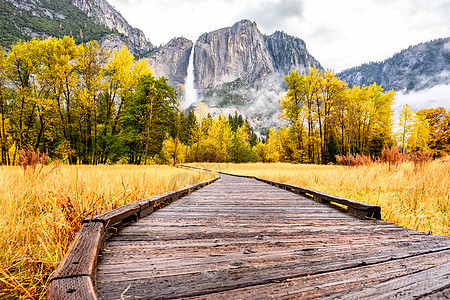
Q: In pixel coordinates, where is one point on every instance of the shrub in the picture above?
(31, 158)
(420, 158)
(391, 155)
(353, 160)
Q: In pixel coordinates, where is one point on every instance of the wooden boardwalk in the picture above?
(239, 238)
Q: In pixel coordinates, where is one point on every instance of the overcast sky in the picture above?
(340, 34)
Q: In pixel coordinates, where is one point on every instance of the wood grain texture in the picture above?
(81, 257)
(75, 288)
(240, 238)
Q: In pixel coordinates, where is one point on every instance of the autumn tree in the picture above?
(272, 149)
(414, 130)
(122, 73)
(57, 82)
(405, 126)
(91, 83)
(439, 130)
(241, 149)
(332, 92)
(20, 68)
(420, 133)
(147, 120)
(4, 107)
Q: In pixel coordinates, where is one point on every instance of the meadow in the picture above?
(415, 196)
(41, 210)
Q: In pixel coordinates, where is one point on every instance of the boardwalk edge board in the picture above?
(358, 209)
(75, 276)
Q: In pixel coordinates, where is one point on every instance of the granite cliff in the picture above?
(239, 68)
(171, 60)
(228, 54)
(103, 13)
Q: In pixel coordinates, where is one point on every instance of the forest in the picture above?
(82, 104)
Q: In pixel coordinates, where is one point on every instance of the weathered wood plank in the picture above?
(333, 283)
(81, 256)
(413, 286)
(116, 216)
(74, 288)
(291, 263)
(236, 276)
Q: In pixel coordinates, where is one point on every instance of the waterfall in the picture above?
(191, 93)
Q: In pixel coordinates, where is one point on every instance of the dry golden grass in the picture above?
(416, 197)
(41, 210)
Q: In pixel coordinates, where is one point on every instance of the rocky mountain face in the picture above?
(84, 20)
(289, 53)
(228, 54)
(171, 60)
(25, 19)
(240, 68)
(102, 12)
(417, 68)
(242, 53)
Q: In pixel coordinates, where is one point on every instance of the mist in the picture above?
(434, 97)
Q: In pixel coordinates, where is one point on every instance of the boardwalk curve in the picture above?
(240, 238)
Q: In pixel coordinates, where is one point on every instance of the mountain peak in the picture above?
(245, 22)
(104, 13)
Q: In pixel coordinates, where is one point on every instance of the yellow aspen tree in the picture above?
(332, 92)
(273, 146)
(405, 126)
(420, 133)
(439, 121)
(21, 63)
(90, 66)
(122, 73)
(4, 120)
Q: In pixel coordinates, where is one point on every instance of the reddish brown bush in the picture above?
(391, 155)
(353, 160)
(420, 158)
(31, 158)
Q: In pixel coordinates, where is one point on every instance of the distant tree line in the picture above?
(81, 103)
(84, 104)
(326, 118)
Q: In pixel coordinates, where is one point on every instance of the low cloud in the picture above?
(434, 97)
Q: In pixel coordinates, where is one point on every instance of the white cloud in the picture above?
(434, 97)
(340, 34)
